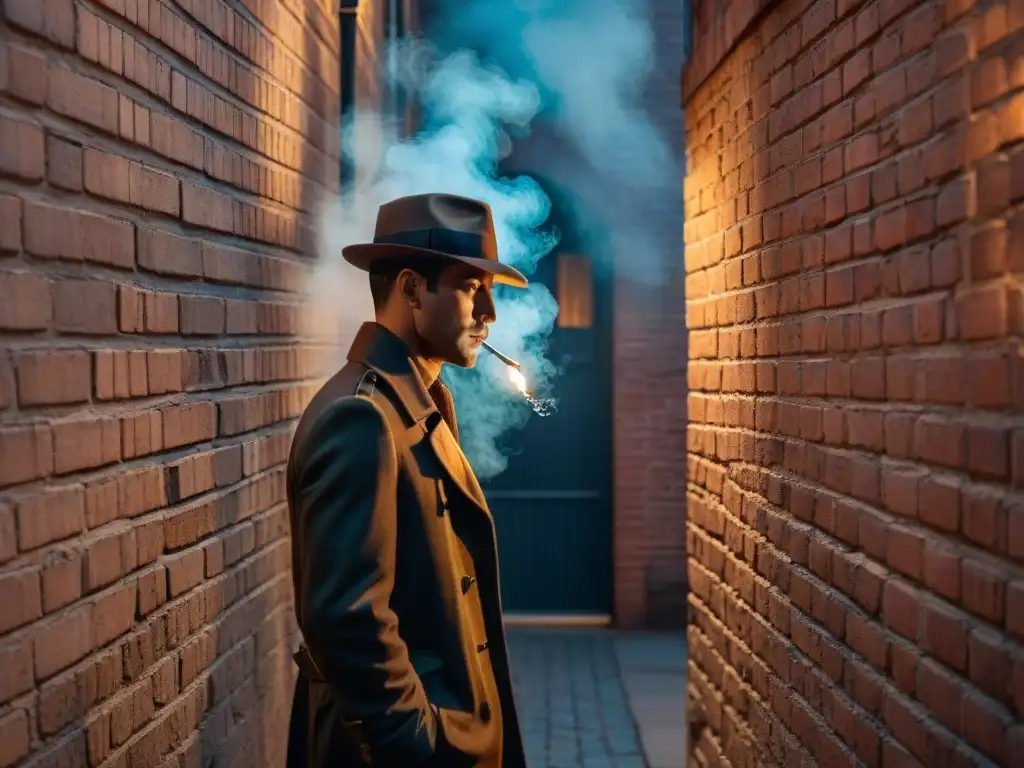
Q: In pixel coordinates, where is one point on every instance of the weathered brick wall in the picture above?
(856, 449)
(159, 163)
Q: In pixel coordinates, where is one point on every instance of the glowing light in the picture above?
(517, 379)
(542, 406)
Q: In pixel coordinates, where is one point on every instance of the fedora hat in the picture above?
(435, 226)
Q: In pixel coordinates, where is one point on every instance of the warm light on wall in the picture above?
(575, 291)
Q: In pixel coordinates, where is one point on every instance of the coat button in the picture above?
(485, 712)
(467, 582)
(481, 647)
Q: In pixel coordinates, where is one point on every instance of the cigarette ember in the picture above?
(542, 406)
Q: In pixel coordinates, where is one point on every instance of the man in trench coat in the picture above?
(404, 661)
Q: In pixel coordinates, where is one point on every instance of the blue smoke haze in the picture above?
(492, 71)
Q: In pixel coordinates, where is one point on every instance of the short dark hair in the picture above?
(384, 273)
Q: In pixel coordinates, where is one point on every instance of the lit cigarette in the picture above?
(542, 406)
(504, 358)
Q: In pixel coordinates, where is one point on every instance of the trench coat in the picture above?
(404, 660)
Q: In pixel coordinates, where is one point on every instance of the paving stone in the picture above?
(573, 708)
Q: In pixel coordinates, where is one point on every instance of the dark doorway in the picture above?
(553, 504)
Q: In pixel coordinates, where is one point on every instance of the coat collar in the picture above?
(378, 348)
(381, 350)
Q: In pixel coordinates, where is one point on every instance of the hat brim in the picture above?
(362, 255)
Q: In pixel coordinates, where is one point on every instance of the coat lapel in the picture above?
(385, 353)
(456, 465)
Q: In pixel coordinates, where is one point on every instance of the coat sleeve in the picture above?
(347, 490)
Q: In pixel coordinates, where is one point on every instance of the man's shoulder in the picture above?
(353, 386)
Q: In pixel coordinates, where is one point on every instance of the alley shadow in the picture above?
(591, 696)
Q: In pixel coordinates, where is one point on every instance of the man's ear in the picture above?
(408, 284)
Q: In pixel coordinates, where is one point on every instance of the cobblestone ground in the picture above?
(571, 700)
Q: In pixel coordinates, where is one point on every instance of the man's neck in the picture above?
(428, 369)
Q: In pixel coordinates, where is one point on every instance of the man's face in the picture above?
(452, 321)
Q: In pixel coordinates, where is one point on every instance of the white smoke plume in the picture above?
(491, 68)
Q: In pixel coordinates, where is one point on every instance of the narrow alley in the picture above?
(598, 698)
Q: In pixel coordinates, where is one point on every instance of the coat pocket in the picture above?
(426, 663)
(430, 668)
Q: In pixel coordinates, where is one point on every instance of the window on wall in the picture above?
(349, 17)
(575, 287)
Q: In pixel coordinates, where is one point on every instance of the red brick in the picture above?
(62, 579)
(84, 443)
(103, 564)
(905, 550)
(63, 163)
(868, 377)
(985, 723)
(868, 639)
(85, 306)
(16, 659)
(168, 253)
(945, 264)
(940, 442)
(992, 187)
(929, 321)
(107, 241)
(985, 521)
(142, 434)
(147, 311)
(165, 370)
(15, 737)
(10, 224)
(901, 608)
(52, 19)
(941, 692)
(52, 377)
(186, 424)
(984, 589)
(51, 232)
(83, 99)
(940, 501)
(202, 315)
(149, 537)
(206, 207)
(991, 663)
(944, 633)
(184, 571)
(152, 589)
(105, 175)
(22, 599)
(114, 613)
(26, 453)
(140, 490)
(29, 307)
(904, 659)
(112, 380)
(50, 515)
(101, 502)
(990, 387)
(8, 534)
(63, 641)
(22, 149)
(988, 451)
(154, 190)
(27, 71)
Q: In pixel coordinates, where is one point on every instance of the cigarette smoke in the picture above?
(491, 70)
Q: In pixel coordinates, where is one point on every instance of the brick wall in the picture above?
(856, 450)
(649, 375)
(159, 162)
